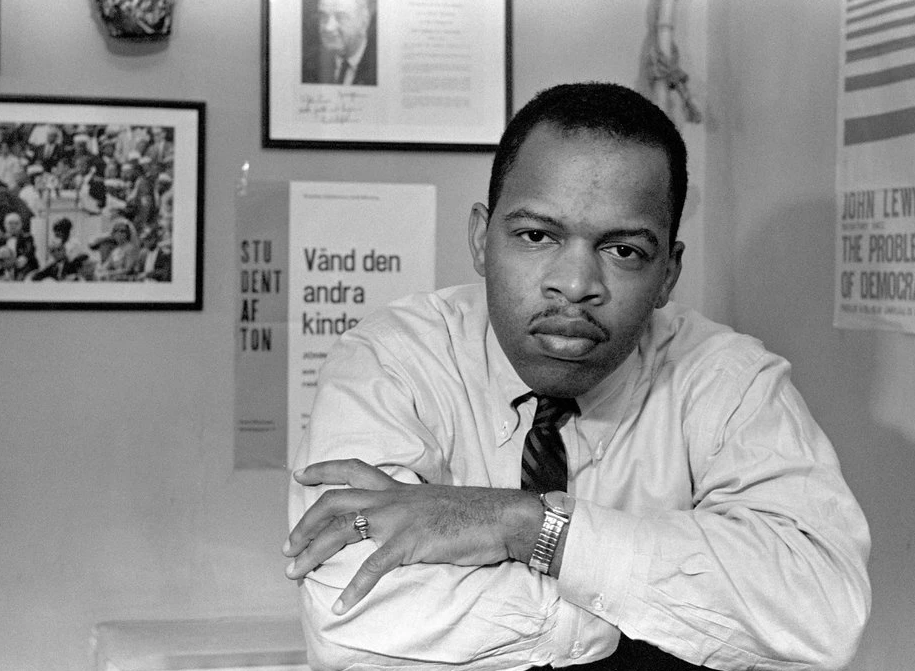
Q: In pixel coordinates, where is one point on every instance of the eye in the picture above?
(627, 255)
(534, 236)
(623, 251)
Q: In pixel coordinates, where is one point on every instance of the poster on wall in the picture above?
(875, 176)
(314, 258)
(433, 75)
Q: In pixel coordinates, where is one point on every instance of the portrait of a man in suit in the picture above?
(338, 42)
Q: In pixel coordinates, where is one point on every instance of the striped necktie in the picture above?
(543, 462)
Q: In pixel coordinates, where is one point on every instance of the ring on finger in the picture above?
(361, 524)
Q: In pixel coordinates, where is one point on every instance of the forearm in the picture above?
(729, 591)
(469, 617)
(497, 615)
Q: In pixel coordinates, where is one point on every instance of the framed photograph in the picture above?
(101, 203)
(374, 74)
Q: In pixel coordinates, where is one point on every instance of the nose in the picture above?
(329, 23)
(576, 274)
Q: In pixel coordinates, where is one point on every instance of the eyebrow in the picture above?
(606, 236)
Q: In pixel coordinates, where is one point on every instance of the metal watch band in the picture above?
(552, 527)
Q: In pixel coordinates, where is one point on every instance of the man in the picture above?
(56, 268)
(155, 261)
(21, 243)
(139, 201)
(75, 251)
(161, 152)
(51, 151)
(7, 264)
(102, 246)
(339, 43)
(11, 202)
(706, 522)
(27, 188)
(10, 166)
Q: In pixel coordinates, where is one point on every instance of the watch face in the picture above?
(559, 502)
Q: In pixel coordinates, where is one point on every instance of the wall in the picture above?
(772, 82)
(118, 496)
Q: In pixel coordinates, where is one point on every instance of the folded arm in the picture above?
(459, 602)
(767, 570)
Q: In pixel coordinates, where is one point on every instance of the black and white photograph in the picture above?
(457, 335)
(339, 42)
(363, 74)
(98, 204)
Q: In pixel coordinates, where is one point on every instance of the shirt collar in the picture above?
(505, 387)
(355, 58)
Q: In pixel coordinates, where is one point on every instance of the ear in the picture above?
(476, 235)
(674, 266)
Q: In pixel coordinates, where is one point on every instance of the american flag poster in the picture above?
(875, 176)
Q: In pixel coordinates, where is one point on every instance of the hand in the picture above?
(433, 524)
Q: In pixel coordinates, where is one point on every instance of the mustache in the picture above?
(568, 314)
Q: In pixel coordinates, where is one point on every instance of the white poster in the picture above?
(352, 249)
(314, 259)
(875, 178)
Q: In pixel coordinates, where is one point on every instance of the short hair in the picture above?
(611, 110)
(63, 224)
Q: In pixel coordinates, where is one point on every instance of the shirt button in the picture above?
(597, 603)
(576, 650)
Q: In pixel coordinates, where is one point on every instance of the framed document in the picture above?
(101, 203)
(383, 74)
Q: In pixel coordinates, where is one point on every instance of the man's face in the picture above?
(343, 25)
(575, 256)
(13, 224)
(120, 233)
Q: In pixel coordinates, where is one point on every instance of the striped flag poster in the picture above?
(875, 172)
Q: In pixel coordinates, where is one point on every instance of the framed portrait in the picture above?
(376, 74)
(101, 203)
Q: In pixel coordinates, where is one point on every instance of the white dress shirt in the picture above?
(712, 519)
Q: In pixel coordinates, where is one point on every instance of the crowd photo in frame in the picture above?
(101, 203)
(364, 74)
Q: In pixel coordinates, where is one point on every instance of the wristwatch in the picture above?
(557, 511)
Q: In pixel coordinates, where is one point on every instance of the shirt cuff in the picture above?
(599, 560)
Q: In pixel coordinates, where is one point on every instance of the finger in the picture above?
(330, 504)
(352, 472)
(338, 533)
(384, 560)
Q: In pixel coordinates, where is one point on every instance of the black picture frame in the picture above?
(117, 165)
(412, 99)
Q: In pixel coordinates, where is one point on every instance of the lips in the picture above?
(567, 337)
